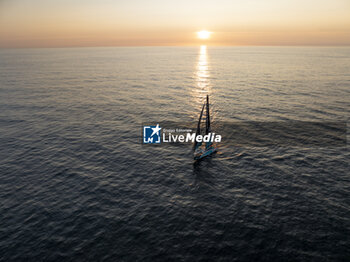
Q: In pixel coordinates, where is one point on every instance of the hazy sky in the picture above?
(51, 23)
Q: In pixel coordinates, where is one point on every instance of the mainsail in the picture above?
(207, 124)
(198, 144)
(199, 153)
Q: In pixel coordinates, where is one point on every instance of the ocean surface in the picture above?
(77, 185)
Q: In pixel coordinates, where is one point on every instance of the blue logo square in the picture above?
(151, 134)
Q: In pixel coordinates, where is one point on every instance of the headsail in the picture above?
(198, 144)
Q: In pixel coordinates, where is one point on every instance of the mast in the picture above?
(198, 144)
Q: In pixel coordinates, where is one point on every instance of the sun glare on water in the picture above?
(203, 34)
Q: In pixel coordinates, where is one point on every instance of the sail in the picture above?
(207, 124)
(198, 144)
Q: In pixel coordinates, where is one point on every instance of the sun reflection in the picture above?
(202, 76)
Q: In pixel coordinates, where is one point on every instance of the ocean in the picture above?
(76, 184)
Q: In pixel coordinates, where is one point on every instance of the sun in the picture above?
(203, 34)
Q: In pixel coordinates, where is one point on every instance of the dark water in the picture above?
(76, 185)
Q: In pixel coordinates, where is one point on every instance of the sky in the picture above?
(66, 23)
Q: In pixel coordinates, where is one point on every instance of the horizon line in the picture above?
(208, 45)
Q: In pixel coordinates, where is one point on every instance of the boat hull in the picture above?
(206, 153)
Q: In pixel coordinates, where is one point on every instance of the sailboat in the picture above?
(209, 149)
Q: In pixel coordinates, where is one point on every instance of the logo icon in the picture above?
(151, 134)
